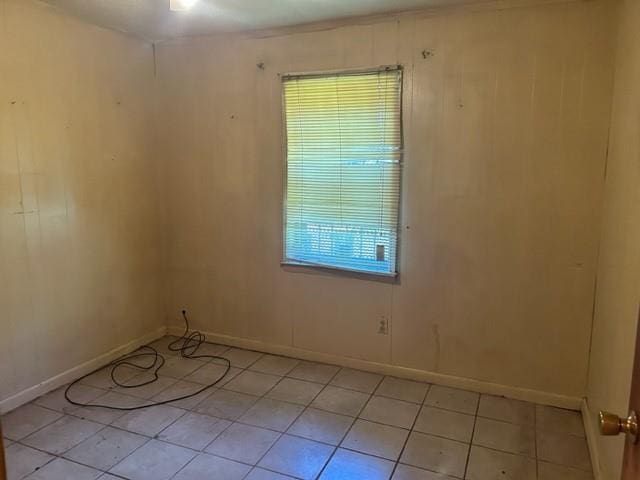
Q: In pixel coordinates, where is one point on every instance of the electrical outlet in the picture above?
(383, 329)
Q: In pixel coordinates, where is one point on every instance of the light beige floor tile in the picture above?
(212, 349)
(146, 391)
(376, 439)
(297, 457)
(568, 450)
(486, 464)
(346, 464)
(295, 391)
(27, 419)
(339, 400)
(181, 389)
(452, 399)
(79, 393)
(549, 471)
(61, 469)
(243, 443)
(437, 454)
(226, 404)
(314, 372)
(194, 431)
(445, 423)
(507, 410)
(357, 380)
(559, 420)
(321, 426)
(275, 365)
(102, 378)
(253, 383)
(212, 372)
(104, 415)
(154, 461)
(508, 437)
(162, 345)
(240, 358)
(262, 474)
(62, 435)
(407, 390)
(207, 466)
(272, 414)
(22, 461)
(406, 472)
(106, 448)
(179, 367)
(389, 411)
(149, 421)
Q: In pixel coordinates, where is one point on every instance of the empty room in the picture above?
(319, 239)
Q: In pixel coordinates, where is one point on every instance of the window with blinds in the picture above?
(344, 153)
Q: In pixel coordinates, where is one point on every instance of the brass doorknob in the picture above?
(611, 424)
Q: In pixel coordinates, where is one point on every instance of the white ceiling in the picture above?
(152, 19)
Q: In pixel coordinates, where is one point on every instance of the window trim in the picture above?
(285, 262)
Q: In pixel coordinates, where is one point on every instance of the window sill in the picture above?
(365, 275)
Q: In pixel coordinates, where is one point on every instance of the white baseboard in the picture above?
(535, 396)
(592, 434)
(63, 378)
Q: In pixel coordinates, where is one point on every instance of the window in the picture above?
(344, 152)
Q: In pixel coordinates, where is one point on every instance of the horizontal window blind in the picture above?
(344, 151)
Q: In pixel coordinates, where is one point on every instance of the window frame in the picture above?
(287, 262)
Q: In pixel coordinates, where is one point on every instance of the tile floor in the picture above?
(276, 418)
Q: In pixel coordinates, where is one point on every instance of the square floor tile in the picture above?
(27, 419)
(154, 461)
(243, 443)
(22, 461)
(61, 469)
(406, 472)
(568, 450)
(261, 474)
(179, 367)
(339, 400)
(162, 345)
(436, 454)
(508, 437)
(297, 457)
(351, 465)
(549, 471)
(445, 423)
(209, 349)
(80, 393)
(295, 391)
(240, 358)
(226, 404)
(149, 421)
(314, 372)
(102, 378)
(559, 420)
(275, 365)
(507, 410)
(182, 389)
(106, 448)
(62, 435)
(150, 389)
(376, 439)
(389, 411)
(272, 414)
(452, 399)
(208, 466)
(253, 383)
(486, 464)
(407, 390)
(105, 415)
(194, 431)
(212, 372)
(357, 380)
(321, 426)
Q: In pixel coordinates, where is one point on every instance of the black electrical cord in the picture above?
(188, 345)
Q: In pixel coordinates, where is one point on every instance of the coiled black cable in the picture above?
(188, 345)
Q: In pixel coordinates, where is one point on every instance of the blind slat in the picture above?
(344, 152)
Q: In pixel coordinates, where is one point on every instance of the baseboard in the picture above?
(592, 434)
(63, 378)
(535, 396)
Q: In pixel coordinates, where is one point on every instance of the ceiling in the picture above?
(152, 19)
